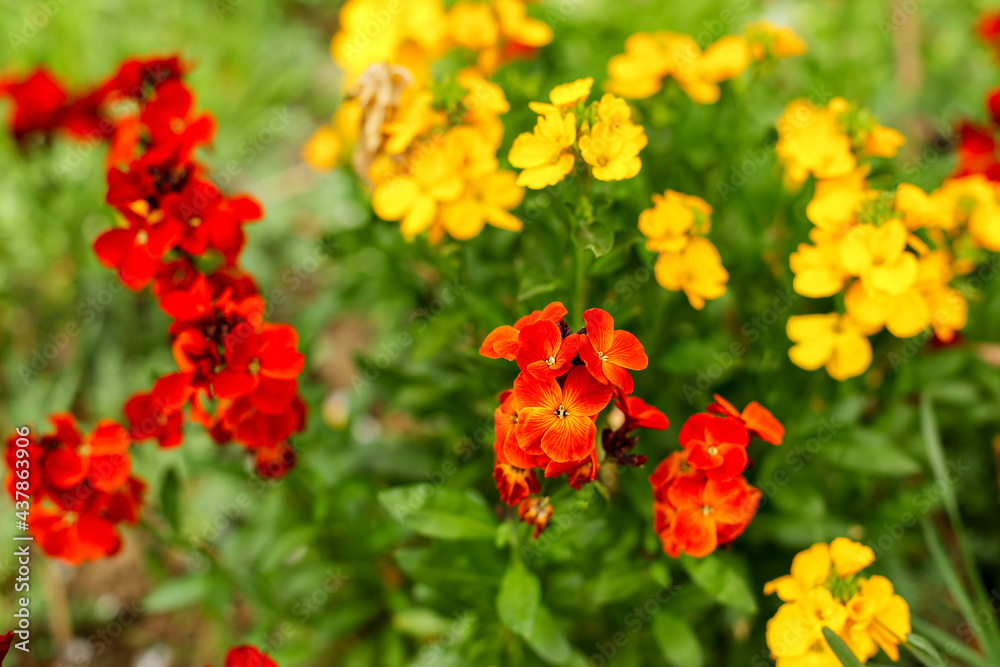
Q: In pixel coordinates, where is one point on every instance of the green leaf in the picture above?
(170, 499)
(840, 649)
(178, 593)
(721, 581)
(924, 651)
(678, 643)
(596, 237)
(870, 452)
(547, 639)
(439, 512)
(518, 599)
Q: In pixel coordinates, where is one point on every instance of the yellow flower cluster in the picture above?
(439, 172)
(826, 589)
(894, 256)
(415, 33)
(652, 57)
(676, 227)
(601, 133)
(829, 141)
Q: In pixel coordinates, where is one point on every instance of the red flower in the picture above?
(543, 352)
(707, 513)
(608, 353)
(262, 365)
(640, 414)
(559, 421)
(503, 342)
(577, 473)
(536, 511)
(514, 484)
(101, 459)
(38, 103)
(158, 414)
(755, 417)
(716, 445)
(505, 426)
(248, 656)
(5, 641)
(135, 251)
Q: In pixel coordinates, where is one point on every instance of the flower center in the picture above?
(194, 222)
(705, 509)
(142, 237)
(713, 450)
(551, 361)
(602, 356)
(254, 366)
(561, 412)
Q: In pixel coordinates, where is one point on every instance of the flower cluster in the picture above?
(548, 420)
(602, 134)
(431, 158)
(676, 227)
(895, 256)
(977, 142)
(830, 141)
(652, 57)
(826, 589)
(182, 235)
(416, 33)
(80, 487)
(700, 497)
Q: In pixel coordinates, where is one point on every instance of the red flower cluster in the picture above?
(248, 656)
(978, 149)
(180, 233)
(548, 420)
(700, 497)
(80, 488)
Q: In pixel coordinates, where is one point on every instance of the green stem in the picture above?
(580, 282)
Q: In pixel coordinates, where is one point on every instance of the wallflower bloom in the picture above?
(248, 656)
(548, 421)
(826, 589)
(767, 39)
(835, 341)
(755, 418)
(612, 146)
(697, 270)
(715, 445)
(672, 221)
(610, 354)
(544, 155)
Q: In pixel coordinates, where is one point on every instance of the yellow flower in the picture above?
(877, 618)
(835, 341)
(410, 34)
(818, 270)
(810, 569)
(920, 209)
(639, 72)
(697, 270)
(414, 117)
(825, 589)
(904, 315)
(484, 200)
(322, 151)
(726, 58)
(878, 255)
(473, 25)
(811, 142)
(612, 146)
(568, 94)
(672, 219)
(768, 39)
(883, 141)
(518, 27)
(850, 557)
(414, 194)
(543, 155)
(836, 201)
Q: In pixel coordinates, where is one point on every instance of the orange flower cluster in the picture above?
(700, 497)
(179, 233)
(548, 420)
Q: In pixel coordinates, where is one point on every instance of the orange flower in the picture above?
(608, 353)
(640, 414)
(537, 511)
(716, 445)
(559, 421)
(543, 352)
(514, 484)
(708, 513)
(503, 343)
(504, 423)
(755, 417)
